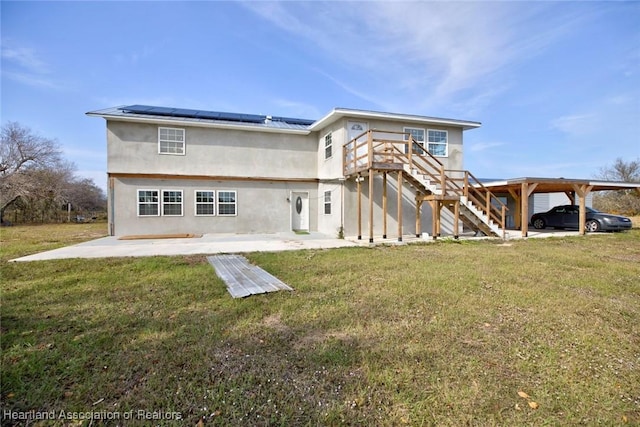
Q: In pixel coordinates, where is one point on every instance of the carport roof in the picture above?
(557, 185)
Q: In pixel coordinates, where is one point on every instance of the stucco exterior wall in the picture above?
(133, 148)
(262, 207)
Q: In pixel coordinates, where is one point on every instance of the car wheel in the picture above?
(539, 223)
(592, 226)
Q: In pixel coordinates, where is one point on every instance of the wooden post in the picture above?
(524, 212)
(370, 205)
(516, 214)
(525, 192)
(582, 192)
(439, 218)
(466, 184)
(399, 206)
(384, 205)
(370, 150)
(418, 216)
(456, 219)
(359, 190)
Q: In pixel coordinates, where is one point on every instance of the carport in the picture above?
(576, 189)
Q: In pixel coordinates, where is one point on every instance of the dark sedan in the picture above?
(568, 216)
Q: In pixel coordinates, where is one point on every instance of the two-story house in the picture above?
(355, 172)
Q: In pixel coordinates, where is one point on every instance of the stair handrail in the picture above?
(350, 157)
(484, 198)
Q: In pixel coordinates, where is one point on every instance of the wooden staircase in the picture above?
(458, 191)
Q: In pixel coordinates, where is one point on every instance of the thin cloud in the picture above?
(32, 80)
(24, 65)
(438, 53)
(484, 146)
(576, 124)
(23, 57)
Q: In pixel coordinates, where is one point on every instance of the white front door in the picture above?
(300, 211)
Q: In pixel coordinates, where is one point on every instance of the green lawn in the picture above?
(444, 334)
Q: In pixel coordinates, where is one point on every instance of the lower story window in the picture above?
(227, 205)
(327, 202)
(172, 202)
(205, 203)
(148, 203)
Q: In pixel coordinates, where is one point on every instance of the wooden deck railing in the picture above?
(373, 149)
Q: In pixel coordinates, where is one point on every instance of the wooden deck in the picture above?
(244, 279)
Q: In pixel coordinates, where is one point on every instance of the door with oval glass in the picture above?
(300, 211)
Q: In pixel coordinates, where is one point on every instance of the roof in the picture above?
(149, 113)
(557, 185)
(338, 113)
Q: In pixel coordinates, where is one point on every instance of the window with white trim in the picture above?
(172, 202)
(205, 203)
(171, 141)
(418, 136)
(438, 142)
(328, 146)
(148, 203)
(227, 203)
(327, 202)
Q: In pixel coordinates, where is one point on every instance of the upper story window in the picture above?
(418, 136)
(438, 142)
(171, 141)
(328, 146)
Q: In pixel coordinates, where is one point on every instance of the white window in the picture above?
(418, 136)
(328, 146)
(327, 202)
(227, 204)
(438, 142)
(171, 141)
(148, 203)
(205, 203)
(172, 202)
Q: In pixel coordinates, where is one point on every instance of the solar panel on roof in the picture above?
(137, 108)
(211, 115)
(293, 121)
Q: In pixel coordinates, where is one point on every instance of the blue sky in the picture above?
(556, 85)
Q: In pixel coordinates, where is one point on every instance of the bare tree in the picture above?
(621, 171)
(21, 153)
(86, 196)
(623, 201)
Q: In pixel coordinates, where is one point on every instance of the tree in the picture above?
(36, 182)
(84, 195)
(626, 202)
(21, 153)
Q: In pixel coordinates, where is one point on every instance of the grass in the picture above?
(417, 335)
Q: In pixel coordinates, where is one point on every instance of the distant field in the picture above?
(528, 332)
